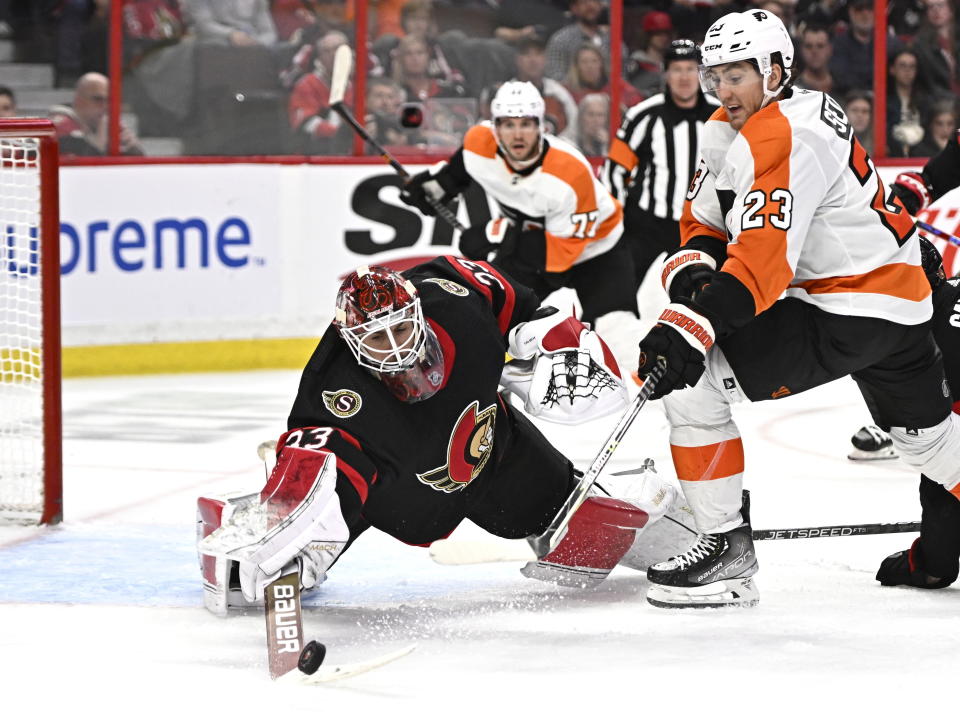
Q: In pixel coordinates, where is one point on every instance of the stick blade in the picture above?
(342, 64)
(335, 672)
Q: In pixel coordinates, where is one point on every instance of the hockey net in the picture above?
(30, 433)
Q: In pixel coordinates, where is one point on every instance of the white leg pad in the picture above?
(933, 451)
(622, 331)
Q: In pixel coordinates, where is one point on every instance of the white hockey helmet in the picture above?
(517, 99)
(755, 35)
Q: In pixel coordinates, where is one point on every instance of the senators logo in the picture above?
(449, 286)
(342, 403)
(469, 448)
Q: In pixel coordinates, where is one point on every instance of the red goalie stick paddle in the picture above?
(545, 543)
(342, 64)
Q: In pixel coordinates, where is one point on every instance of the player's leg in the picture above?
(648, 236)
(788, 349)
(909, 398)
(533, 480)
(932, 560)
(608, 296)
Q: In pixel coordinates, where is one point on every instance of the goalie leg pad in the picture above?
(219, 574)
(598, 536)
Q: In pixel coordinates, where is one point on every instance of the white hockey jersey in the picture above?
(805, 213)
(580, 218)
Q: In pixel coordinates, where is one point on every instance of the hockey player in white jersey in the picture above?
(558, 227)
(795, 269)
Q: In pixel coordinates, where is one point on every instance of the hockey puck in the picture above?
(311, 657)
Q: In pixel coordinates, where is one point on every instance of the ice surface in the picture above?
(104, 615)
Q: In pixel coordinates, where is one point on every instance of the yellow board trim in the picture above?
(193, 357)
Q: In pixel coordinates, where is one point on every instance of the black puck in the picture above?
(311, 657)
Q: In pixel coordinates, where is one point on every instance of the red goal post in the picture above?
(31, 484)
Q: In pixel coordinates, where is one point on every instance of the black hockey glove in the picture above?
(418, 188)
(686, 271)
(682, 338)
(911, 189)
(479, 242)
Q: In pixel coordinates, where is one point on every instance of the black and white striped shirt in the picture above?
(654, 155)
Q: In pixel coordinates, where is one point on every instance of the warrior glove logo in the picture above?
(469, 448)
(342, 403)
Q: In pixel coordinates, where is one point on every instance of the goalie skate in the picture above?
(871, 443)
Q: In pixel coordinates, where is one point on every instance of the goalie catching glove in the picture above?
(682, 338)
(561, 370)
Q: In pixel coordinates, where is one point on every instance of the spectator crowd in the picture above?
(253, 76)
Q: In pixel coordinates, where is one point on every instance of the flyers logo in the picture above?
(342, 403)
(469, 448)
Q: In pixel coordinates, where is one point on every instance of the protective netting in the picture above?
(578, 376)
(21, 329)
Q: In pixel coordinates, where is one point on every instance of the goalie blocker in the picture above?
(398, 425)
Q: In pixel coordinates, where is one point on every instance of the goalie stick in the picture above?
(545, 543)
(342, 64)
(461, 551)
(335, 672)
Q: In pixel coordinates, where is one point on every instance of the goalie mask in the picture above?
(379, 317)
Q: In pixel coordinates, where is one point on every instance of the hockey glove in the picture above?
(418, 188)
(912, 190)
(478, 242)
(682, 338)
(686, 272)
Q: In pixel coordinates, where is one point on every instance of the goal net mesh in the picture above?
(21, 330)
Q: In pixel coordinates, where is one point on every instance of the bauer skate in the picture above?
(717, 571)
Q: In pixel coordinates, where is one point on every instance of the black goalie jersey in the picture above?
(416, 470)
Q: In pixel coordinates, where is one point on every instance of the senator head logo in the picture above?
(469, 448)
(342, 403)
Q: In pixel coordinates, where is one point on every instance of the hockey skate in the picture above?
(871, 443)
(717, 571)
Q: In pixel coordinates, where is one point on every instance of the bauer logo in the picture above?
(342, 403)
(167, 243)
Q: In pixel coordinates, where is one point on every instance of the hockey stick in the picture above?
(458, 552)
(873, 528)
(284, 623)
(938, 232)
(335, 672)
(342, 62)
(545, 543)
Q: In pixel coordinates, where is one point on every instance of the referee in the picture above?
(654, 155)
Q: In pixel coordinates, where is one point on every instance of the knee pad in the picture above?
(934, 451)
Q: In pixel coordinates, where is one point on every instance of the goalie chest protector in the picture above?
(431, 457)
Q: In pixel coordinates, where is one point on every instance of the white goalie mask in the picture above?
(379, 317)
(754, 35)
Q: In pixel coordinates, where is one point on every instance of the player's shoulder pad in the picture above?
(481, 140)
(567, 164)
(329, 347)
(643, 106)
(769, 136)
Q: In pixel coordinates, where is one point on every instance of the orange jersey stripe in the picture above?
(621, 153)
(690, 227)
(759, 258)
(708, 462)
(956, 491)
(899, 280)
(563, 251)
(567, 168)
(720, 115)
(480, 139)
